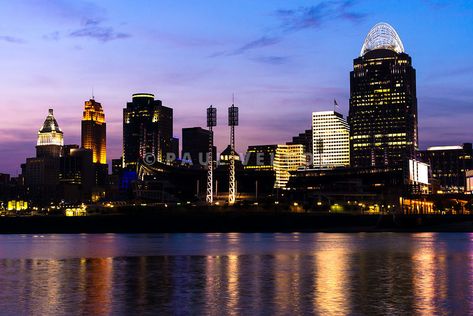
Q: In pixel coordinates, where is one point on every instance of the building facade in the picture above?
(94, 138)
(260, 157)
(286, 159)
(50, 138)
(76, 174)
(383, 102)
(195, 146)
(305, 139)
(331, 140)
(94, 131)
(449, 165)
(147, 130)
(41, 173)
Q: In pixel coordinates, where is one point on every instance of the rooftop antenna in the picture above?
(93, 97)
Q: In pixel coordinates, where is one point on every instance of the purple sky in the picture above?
(282, 59)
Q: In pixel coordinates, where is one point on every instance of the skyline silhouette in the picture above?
(285, 62)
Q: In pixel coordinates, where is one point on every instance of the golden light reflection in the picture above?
(429, 278)
(288, 287)
(332, 281)
(212, 282)
(99, 297)
(282, 279)
(52, 286)
(232, 284)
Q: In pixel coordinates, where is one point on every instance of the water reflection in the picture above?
(332, 281)
(235, 274)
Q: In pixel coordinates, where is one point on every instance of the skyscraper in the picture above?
(331, 140)
(260, 157)
(383, 102)
(50, 138)
(195, 146)
(147, 130)
(287, 158)
(305, 139)
(449, 165)
(41, 173)
(76, 174)
(94, 131)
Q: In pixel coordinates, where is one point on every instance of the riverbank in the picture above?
(235, 221)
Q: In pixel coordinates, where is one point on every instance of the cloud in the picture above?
(272, 60)
(258, 43)
(11, 39)
(316, 16)
(53, 36)
(90, 16)
(100, 33)
(93, 21)
(93, 28)
(293, 20)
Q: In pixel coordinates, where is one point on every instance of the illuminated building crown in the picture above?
(93, 111)
(50, 133)
(382, 36)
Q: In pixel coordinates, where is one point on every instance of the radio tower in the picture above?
(211, 122)
(232, 122)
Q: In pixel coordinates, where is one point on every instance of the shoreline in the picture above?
(234, 221)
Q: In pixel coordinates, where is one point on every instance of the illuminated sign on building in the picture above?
(418, 172)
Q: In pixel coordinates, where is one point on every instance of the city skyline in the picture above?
(279, 79)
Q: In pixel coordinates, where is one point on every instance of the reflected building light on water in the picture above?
(331, 281)
(212, 284)
(102, 285)
(232, 284)
(426, 278)
(470, 279)
(95, 285)
(289, 285)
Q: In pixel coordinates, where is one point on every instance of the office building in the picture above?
(175, 148)
(41, 173)
(50, 138)
(449, 165)
(117, 166)
(287, 158)
(94, 131)
(195, 146)
(76, 174)
(367, 190)
(147, 130)
(383, 102)
(331, 140)
(94, 138)
(305, 139)
(260, 157)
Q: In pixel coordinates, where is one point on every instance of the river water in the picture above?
(237, 274)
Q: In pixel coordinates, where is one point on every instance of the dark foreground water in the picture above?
(237, 274)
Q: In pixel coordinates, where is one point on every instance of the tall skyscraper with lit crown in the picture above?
(383, 102)
(147, 130)
(94, 131)
(50, 138)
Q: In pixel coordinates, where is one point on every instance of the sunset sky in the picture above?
(282, 59)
